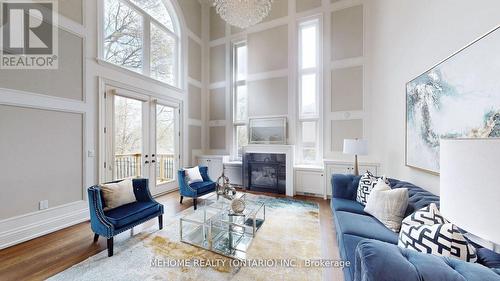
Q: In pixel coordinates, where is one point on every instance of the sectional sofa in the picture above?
(372, 248)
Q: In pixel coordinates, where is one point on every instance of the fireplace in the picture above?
(264, 172)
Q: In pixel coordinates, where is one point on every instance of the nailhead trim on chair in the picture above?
(100, 215)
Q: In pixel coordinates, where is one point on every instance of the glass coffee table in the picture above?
(215, 228)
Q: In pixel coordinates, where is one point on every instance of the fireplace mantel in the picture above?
(288, 150)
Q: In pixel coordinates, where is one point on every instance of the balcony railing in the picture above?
(130, 166)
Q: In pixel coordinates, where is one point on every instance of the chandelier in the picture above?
(243, 13)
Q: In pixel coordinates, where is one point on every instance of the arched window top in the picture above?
(160, 11)
(143, 36)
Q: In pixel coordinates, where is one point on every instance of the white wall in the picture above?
(404, 39)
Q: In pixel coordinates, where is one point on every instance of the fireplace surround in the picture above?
(265, 172)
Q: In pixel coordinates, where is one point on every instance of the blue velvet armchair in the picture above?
(114, 221)
(196, 189)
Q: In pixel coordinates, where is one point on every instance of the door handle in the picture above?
(153, 161)
(146, 162)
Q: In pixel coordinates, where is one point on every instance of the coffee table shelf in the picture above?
(213, 227)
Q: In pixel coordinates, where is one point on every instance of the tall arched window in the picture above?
(142, 36)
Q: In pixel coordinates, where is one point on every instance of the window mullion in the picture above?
(146, 53)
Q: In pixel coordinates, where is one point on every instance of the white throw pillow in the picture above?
(427, 231)
(193, 175)
(117, 194)
(387, 205)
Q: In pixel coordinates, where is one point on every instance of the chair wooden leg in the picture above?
(110, 247)
(194, 203)
(160, 221)
(182, 197)
(96, 237)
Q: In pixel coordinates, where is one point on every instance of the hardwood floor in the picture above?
(45, 256)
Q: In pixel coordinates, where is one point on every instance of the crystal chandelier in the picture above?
(243, 13)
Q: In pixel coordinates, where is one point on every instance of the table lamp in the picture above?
(355, 147)
(469, 188)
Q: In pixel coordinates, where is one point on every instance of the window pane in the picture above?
(157, 10)
(308, 94)
(165, 143)
(309, 154)
(241, 63)
(308, 46)
(122, 35)
(241, 138)
(241, 103)
(127, 138)
(309, 133)
(162, 55)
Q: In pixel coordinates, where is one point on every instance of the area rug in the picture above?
(289, 238)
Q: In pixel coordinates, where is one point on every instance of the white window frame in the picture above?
(317, 70)
(146, 40)
(234, 85)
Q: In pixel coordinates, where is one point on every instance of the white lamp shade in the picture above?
(469, 186)
(355, 147)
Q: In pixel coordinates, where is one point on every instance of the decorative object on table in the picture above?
(429, 232)
(267, 130)
(387, 205)
(469, 189)
(242, 13)
(238, 205)
(366, 183)
(224, 188)
(355, 147)
(458, 98)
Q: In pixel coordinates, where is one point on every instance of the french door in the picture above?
(142, 138)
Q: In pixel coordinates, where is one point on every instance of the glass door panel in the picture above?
(128, 138)
(165, 144)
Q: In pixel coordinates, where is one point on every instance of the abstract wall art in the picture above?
(457, 98)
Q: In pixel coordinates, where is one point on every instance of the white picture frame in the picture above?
(267, 130)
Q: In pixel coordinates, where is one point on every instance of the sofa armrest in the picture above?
(98, 221)
(141, 190)
(344, 186)
(376, 260)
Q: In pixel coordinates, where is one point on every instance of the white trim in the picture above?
(35, 100)
(344, 4)
(217, 123)
(194, 82)
(195, 122)
(268, 75)
(217, 85)
(28, 226)
(195, 37)
(346, 63)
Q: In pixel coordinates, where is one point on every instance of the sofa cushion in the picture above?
(116, 194)
(131, 213)
(427, 231)
(364, 226)
(366, 183)
(347, 205)
(203, 187)
(376, 260)
(488, 258)
(418, 198)
(350, 242)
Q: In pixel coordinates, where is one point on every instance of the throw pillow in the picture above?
(117, 194)
(427, 231)
(193, 175)
(366, 183)
(387, 205)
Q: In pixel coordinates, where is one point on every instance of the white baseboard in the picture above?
(25, 227)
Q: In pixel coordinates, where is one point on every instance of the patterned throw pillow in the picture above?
(427, 231)
(366, 183)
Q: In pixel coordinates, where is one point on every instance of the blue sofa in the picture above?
(196, 189)
(114, 221)
(371, 248)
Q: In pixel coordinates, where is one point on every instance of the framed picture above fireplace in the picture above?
(271, 130)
